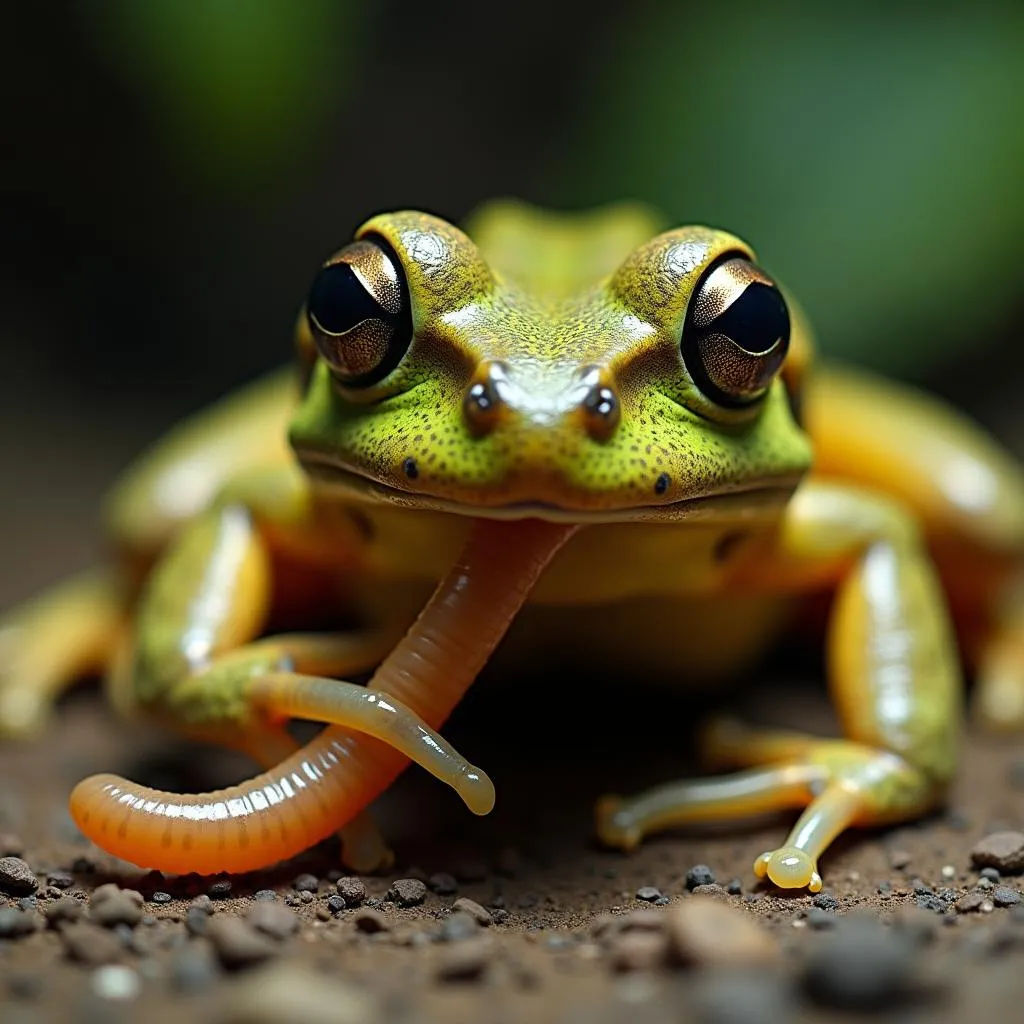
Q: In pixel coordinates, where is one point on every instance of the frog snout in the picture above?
(495, 397)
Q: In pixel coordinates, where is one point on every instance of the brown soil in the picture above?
(533, 863)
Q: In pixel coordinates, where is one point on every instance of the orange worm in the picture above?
(312, 793)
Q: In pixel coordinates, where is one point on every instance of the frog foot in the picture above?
(789, 868)
(614, 824)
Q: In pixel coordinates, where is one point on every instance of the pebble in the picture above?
(63, 911)
(638, 950)
(860, 966)
(351, 890)
(407, 892)
(220, 890)
(699, 874)
(714, 890)
(481, 915)
(648, 893)
(16, 877)
(820, 919)
(115, 982)
(272, 919)
(197, 921)
(708, 932)
(734, 888)
(16, 924)
(443, 884)
(465, 961)
(991, 874)
(335, 904)
(11, 845)
(238, 944)
(1001, 850)
(305, 883)
(371, 921)
(899, 859)
(457, 927)
(265, 895)
(60, 880)
(91, 945)
(971, 901)
(1004, 896)
(160, 897)
(295, 992)
(826, 901)
(194, 968)
(111, 906)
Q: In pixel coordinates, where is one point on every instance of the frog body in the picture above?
(617, 427)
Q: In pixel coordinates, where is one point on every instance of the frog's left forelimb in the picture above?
(895, 678)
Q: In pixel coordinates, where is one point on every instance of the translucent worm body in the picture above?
(314, 792)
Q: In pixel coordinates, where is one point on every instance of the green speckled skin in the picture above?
(620, 324)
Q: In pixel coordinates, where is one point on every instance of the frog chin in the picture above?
(753, 500)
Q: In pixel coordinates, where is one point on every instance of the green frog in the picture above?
(615, 435)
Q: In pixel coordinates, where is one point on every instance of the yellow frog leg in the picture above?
(67, 632)
(895, 680)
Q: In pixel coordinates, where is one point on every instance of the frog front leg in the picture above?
(895, 680)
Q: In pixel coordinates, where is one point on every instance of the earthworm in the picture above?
(312, 793)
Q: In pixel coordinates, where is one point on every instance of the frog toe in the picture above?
(789, 868)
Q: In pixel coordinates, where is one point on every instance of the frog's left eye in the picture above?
(359, 313)
(736, 333)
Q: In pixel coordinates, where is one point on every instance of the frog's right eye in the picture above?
(359, 313)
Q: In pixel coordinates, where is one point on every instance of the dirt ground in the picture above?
(550, 951)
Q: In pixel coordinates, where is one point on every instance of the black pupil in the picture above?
(338, 301)
(756, 320)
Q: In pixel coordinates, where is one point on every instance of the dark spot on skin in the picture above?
(361, 522)
(728, 543)
(661, 484)
(410, 469)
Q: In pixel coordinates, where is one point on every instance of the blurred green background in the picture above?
(178, 170)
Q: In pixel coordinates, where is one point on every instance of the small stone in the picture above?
(985, 883)
(91, 945)
(351, 890)
(899, 859)
(371, 921)
(121, 906)
(116, 983)
(970, 902)
(272, 919)
(481, 915)
(860, 966)
(407, 892)
(820, 919)
(160, 897)
(306, 896)
(457, 927)
(699, 874)
(990, 874)
(1004, 896)
(442, 883)
(16, 924)
(194, 968)
(16, 877)
(197, 921)
(714, 891)
(265, 895)
(11, 845)
(335, 904)
(1001, 850)
(708, 932)
(638, 951)
(305, 883)
(734, 888)
(648, 893)
(948, 872)
(238, 944)
(63, 911)
(28, 904)
(465, 961)
(826, 901)
(287, 992)
(60, 880)
(933, 903)
(220, 890)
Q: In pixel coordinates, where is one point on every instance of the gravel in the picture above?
(1003, 851)
(480, 914)
(707, 932)
(407, 892)
(351, 890)
(238, 944)
(16, 877)
(699, 874)
(272, 919)
(91, 945)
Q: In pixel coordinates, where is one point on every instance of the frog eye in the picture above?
(736, 333)
(359, 314)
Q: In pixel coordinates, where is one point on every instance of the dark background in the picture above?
(174, 172)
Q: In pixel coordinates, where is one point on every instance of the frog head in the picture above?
(563, 366)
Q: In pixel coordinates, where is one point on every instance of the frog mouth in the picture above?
(752, 500)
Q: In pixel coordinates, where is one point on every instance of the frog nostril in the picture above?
(482, 406)
(601, 406)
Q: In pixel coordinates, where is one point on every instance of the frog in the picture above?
(600, 435)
